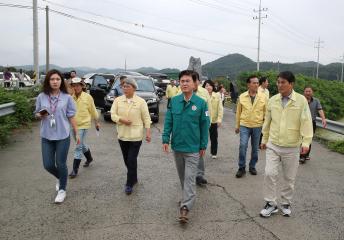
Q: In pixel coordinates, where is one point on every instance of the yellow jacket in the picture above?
(289, 126)
(171, 91)
(265, 91)
(85, 110)
(248, 114)
(216, 108)
(136, 111)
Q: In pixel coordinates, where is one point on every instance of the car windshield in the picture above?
(143, 85)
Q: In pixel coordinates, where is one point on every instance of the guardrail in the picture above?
(332, 126)
(7, 108)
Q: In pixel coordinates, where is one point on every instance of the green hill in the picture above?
(232, 65)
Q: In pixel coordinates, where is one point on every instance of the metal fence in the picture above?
(7, 108)
(332, 126)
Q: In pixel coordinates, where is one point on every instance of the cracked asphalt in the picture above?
(227, 208)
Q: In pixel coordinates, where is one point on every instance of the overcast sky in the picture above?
(213, 26)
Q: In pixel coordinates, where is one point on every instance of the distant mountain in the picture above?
(231, 65)
(81, 71)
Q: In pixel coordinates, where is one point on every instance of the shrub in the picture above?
(23, 115)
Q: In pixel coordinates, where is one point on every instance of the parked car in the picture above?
(88, 78)
(26, 82)
(103, 95)
(129, 73)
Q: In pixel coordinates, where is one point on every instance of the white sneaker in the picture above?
(268, 210)
(57, 186)
(61, 195)
(285, 208)
(214, 157)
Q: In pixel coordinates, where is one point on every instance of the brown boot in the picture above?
(183, 218)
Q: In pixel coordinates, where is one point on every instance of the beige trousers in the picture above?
(286, 159)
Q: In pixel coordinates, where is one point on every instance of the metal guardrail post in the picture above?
(332, 126)
(7, 108)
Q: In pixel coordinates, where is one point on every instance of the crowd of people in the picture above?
(283, 125)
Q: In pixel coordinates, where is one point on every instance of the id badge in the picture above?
(52, 122)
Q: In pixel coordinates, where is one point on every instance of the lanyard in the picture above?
(53, 106)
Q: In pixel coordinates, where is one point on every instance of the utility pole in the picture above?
(341, 76)
(47, 62)
(278, 66)
(318, 46)
(35, 41)
(125, 64)
(259, 17)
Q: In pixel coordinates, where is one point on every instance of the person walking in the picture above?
(287, 125)
(250, 112)
(171, 91)
(86, 111)
(216, 116)
(131, 114)
(188, 112)
(315, 108)
(56, 110)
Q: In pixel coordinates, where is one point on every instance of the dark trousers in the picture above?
(130, 151)
(306, 155)
(213, 138)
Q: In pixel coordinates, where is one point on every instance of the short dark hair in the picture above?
(187, 73)
(248, 80)
(73, 71)
(211, 83)
(122, 78)
(287, 75)
(308, 87)
(46, 84)
(196, 75)
(262, 80)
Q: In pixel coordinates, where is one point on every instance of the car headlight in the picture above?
(110, 98)
(152, 100)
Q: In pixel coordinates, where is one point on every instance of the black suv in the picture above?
(103, 94)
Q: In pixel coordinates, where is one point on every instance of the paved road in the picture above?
(97, 208)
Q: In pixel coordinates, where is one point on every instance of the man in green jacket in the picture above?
(188, 121)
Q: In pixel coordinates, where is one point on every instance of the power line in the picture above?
(118, 29)
(217, 7)
(150, 27)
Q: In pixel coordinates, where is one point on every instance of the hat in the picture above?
(77, 80)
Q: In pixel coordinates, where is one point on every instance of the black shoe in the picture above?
(302, 161)
(253, 171)
(88, 157)
(73, 174)
(76, 164)
(200, 181)
(241, 172)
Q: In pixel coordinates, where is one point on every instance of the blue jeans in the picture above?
(54, 153)
(245, 134)
(82, 147)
